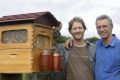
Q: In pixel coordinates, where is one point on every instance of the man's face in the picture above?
(103, 28)
(77, 30)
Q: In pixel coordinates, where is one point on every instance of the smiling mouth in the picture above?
(102, 33)
(78, 34)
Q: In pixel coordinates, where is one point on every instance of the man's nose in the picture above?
(101, 29)
(77, 30)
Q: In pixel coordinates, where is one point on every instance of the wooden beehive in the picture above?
(21, 39)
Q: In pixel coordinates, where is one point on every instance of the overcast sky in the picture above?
(64, 10)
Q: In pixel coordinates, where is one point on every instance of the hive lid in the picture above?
(44, 18)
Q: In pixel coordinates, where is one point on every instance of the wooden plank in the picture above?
(45, 32)
(15, 26)
(12, 62)
(16, 60)
(8, 68)
(36, 59)
(15, 54)
(19, 51)
(28, 44)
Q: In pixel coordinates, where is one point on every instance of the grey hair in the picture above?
(101, 17)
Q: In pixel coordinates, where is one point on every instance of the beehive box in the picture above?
(21, 41)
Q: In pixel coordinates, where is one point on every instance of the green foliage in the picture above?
(92, 39)
(61, 39)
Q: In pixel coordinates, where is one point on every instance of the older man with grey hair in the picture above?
(107, 66)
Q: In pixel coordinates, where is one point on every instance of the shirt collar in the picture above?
(112, 43)
(87, 42)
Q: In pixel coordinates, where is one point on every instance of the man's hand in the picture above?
(69, 43)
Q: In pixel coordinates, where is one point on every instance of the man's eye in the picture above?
(99, 27)
(74, 28)
(105, 26)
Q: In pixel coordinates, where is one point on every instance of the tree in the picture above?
(61, 39)
(92, 39)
